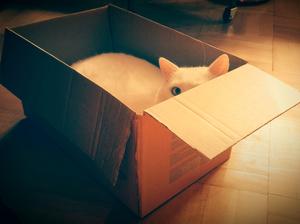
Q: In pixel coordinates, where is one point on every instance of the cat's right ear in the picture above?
(167, 67)
(220, 66)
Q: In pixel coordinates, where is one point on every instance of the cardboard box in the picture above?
(144, 159)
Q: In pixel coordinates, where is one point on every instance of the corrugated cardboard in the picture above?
(145, 159)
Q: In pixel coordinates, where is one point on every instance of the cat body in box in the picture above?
(140, 84)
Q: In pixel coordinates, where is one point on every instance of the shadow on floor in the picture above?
(41, 183)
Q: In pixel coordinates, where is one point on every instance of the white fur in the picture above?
(136, 82)
(185, 78)
(132, 80)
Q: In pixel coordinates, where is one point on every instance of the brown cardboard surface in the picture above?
(166, 164)
(139, 36)
(98, 124)
(217, 114)
(72, 37)
(191, 127)
(112, 133)
(75, 107)
(30, 74)
(127, 188)
(72, 107)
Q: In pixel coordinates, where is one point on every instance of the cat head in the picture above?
(180, 79)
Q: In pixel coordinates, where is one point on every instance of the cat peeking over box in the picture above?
(140, 84)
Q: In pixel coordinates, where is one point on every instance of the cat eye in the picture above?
(175, 91)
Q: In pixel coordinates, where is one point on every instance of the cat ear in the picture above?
(220, 65)
(167, 67)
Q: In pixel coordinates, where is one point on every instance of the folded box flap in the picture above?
(217, 114)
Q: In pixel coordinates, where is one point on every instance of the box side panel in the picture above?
(127, 185)
(71, 37)
(81, 115)
(150, 40)
(166, 164)
(90, 118)
(103, 128)
(98, 124)
(193, 128)
(113, 129)
(39, 80)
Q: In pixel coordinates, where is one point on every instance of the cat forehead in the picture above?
(191, 74)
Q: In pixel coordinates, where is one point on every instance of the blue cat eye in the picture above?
(175, 91)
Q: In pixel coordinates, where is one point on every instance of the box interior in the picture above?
(112, 29)
(115, 30)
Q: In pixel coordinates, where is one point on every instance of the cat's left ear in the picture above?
(220, 65)
(167, 67)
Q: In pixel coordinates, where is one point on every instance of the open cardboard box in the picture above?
(144, 159)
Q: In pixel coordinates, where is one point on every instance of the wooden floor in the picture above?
(259, 184)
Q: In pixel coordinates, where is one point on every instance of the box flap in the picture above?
(219, 113)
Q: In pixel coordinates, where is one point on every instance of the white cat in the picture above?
(139, 84)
